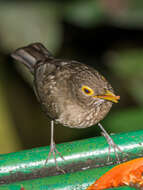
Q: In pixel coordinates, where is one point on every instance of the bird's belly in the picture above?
(75, 117)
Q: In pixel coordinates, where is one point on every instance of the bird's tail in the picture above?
(31, 54)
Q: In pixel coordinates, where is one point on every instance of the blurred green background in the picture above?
(107, 34)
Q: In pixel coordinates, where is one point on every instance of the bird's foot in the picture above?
(115, 147)
(54, 151)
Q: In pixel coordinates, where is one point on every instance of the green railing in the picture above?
(85, 161)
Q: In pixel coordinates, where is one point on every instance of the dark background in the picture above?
(107, 34)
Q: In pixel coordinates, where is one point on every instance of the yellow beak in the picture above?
(109, 96)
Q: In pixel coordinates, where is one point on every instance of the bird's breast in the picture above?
(76, 117)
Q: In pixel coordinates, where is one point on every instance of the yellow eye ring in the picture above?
(87, 90)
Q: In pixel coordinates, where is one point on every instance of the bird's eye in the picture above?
(87, 90)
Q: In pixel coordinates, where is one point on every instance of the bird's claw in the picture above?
(115, 147)
(53, 150)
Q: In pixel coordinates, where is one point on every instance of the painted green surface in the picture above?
(73, 152)
(84, 151)
(73, 181)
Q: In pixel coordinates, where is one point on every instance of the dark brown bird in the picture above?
(70, 92)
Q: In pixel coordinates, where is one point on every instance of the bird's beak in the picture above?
(109, 96)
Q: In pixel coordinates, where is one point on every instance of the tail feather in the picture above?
(31, 54)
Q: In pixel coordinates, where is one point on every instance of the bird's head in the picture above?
(91, 88)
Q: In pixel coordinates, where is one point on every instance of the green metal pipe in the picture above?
(79, 156)
(72, 181)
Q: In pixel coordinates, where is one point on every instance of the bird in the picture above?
(70, 92)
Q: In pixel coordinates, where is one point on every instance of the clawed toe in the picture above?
(54, 151)
(117, 152)
(115, 147)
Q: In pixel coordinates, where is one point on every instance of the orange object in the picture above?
(128, 173)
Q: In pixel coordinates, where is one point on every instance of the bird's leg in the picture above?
(53, 149)
(111, 144)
